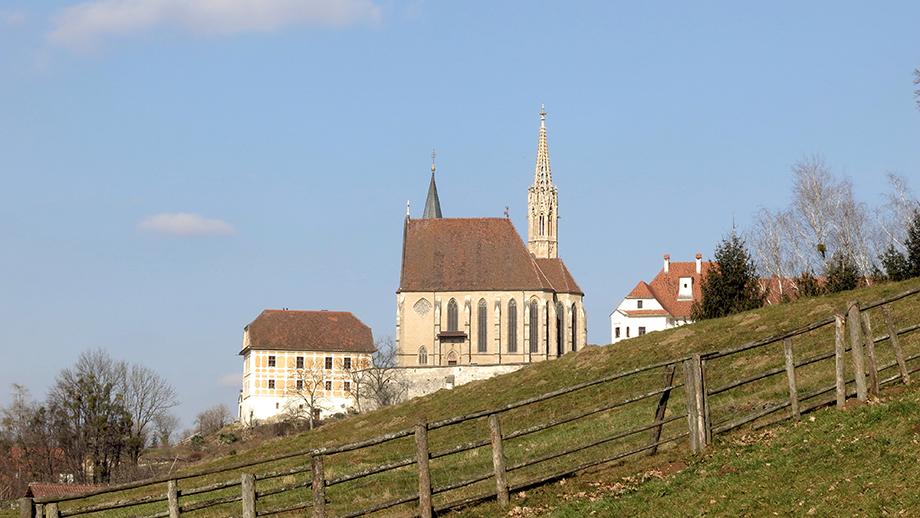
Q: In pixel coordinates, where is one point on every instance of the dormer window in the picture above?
(685, 290)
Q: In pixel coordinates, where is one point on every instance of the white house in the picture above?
(297, 360)
(664, 303)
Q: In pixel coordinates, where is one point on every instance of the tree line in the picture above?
(824, 241)
(92, 427)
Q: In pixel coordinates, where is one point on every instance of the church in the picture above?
(472, 293)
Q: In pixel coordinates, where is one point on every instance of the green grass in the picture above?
(590, 363)
(861, 462)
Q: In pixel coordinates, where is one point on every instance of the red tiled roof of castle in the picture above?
(666, 286)
(475, 254)
(334, 331)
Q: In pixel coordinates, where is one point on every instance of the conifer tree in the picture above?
(730, 285)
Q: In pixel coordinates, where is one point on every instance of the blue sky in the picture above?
(170, 168)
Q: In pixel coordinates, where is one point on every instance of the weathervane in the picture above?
(432, 160)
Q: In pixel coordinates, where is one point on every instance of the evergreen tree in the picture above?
(842, 274)
(808, 285)
(912, 243)
(730, 285)
(895, 264)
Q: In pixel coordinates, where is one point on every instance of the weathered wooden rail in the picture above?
(606, 419)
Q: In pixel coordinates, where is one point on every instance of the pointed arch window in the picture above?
(482, 327)
(452, 315)
(575, 327)
(422, 356)
(560, 329)
(512, 326)
(534, 326)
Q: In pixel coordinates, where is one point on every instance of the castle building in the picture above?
(295, 362)
(472, 293)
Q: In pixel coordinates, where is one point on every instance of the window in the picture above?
(271, 361)
(616, 332)
(534, 326)
(271, 384)
(277, 405)
(483, 326)
(328, 362)
(300, 362)
(346, 364)
(641, 331)
(347, 386)
(574, 328)
(299, 384)
(422, 356)
(560, 329)
(512, 326)
(452, 315)
(328, 385)
(638, 304)
(452, 358)
(627, 331)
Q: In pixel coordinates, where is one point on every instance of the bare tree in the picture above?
(815, 203)
(146, 397)
(213, 419)
(917, 82)
(854, 230)
(771, 240)
(305, 391)
(383, 383)
(896, 215)
(165, 425)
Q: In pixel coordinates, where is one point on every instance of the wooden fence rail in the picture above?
(631, 402)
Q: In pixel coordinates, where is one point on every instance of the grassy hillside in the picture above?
(590, 363)
(861, 462)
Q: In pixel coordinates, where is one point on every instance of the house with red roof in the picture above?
(664, 303)
(472, 292)
(295, 361)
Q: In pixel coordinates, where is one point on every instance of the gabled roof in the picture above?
(641, 291)
(666, 286)
(333, 331)
(38, 490)
(475, 254)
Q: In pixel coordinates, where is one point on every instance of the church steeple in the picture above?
(432, 204)
(542, 203)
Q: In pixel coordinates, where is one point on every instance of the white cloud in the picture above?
(12, 17)
(231, 380)
(82, 25)
(185, 224)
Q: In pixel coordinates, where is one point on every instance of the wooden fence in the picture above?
(493, 453)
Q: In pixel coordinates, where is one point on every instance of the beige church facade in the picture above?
(472, 293)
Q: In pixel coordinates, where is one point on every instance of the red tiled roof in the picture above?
(644, 312)
(641, 291)
(309, 331)
(475, 254)
(38, 490)
(666, 286)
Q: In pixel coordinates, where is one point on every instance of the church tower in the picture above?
(542, 205)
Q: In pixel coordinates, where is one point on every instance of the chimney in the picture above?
(667, 262)
(699, 264)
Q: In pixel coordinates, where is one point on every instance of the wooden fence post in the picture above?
(52, 510)
(896, 344)
(662, 407)
(696, 403)
(319, 486)
(424, 472)
(790, 375)
(870, 353)
(172, 498)
(248, 483)
(26, 508)
(840, 348)
(498, 460)
(859, 360)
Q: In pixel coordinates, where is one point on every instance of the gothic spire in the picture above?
(542, 203)
(542, 174)
(432, 204)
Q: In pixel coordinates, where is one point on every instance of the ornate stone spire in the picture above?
(542, 203)
(432, 204)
